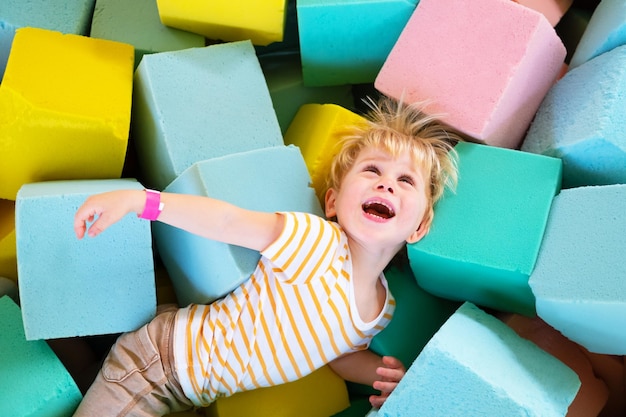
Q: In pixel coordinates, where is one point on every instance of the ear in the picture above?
(416, 236)
(329, 203)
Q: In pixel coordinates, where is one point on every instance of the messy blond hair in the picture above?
(400, 128)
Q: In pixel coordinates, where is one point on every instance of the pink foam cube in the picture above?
(485, 65)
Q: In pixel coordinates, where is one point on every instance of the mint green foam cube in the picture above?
(485, 238)
(33, 381)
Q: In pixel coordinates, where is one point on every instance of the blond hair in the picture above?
(400, 128)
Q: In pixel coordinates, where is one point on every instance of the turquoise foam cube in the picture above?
(70, 287)
(270, 179)
(197, 104)
(33, 381)
(485, 238)
(477, 366)
(581, 122)
(138, 23)
(579, 277)
(66, 16)
(347, 41)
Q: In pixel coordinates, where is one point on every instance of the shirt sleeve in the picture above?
(305, 248)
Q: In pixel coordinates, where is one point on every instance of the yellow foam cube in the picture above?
(65, 105)
(8, 250)
(262, 22)
(316, 129)
(320, 394)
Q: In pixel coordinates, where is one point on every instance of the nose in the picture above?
(384, 187)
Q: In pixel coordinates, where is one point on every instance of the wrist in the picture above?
(152, 206)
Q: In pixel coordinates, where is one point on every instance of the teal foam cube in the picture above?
(347, 41)
(70, 287)
(33, 381)
(485, 238)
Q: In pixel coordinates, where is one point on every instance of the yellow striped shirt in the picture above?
(295, 314)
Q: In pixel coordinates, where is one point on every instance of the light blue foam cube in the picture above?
(197, 104)
(579, 281)
(66, 16)
(581, 122)
(33, 381)
(605, 31)
(347, 41)
(477, 366)
(270, 179)
(70, 287)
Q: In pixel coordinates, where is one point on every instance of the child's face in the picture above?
(381, 201)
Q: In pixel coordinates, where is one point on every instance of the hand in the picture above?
(390, 375)
(103, 210)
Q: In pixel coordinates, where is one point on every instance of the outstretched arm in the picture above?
(204, 216)
(366, 367)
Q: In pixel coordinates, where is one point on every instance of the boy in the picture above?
(318, 294)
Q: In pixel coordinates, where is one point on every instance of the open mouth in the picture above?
(378, 209)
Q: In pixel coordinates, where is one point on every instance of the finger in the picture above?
(377, 401)
(384, 387)
(392, 362)
(390, 374)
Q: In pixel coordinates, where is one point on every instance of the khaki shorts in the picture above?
(136, 378)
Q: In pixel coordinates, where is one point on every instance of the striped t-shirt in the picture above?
(296, 313)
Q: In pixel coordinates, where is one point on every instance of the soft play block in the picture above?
(270, 179)
(484, 65)
(593, 393)
(477, 366)
(137, 22)
(319, 394)
(33, 381)
(217, 104)
(283, 74)
(347, 41)
(67, 16)
(581, 122)
(485, 238)
(65, 107)
(605, 31)
(8, 260)
(71, 287)
(578, 280)
(315, 129)
(227, 20)
(553, 10)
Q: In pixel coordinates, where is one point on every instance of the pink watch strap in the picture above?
(153, 206)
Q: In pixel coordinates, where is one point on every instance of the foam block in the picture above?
(319, 394)
(580, 122)
(477, 366)
(8, 256)
(347, 41)
(33, 381)
(67, 16)
(315, 129)
(578, 280)
(138, 23)
(593, 393)
(65, 107)
(224, 83)
(553, 10)
(605, 31)
(70, 287)
(283, 75)
(227, 20)
(488, 77)
(485, 239)
(270, 179)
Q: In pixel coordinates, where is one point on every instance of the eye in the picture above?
(407, 179)
(371, 168)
